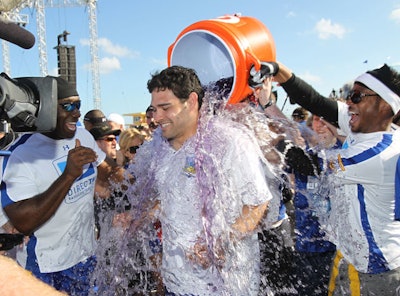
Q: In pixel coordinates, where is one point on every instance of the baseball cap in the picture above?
(95, 116)
(65, 89)
(103, 129)
(115, 117)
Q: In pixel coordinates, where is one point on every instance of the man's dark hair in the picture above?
(180, 80)
(300, 113)
(388, 76)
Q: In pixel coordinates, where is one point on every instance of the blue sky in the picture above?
(324, 42)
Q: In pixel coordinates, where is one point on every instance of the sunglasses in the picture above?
(109, 139)
(356, 97)
(69, 107)
(132, 149)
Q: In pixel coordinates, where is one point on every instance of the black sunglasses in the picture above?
(356, 96)
(132, 149)
(69, 107)
(109, 139)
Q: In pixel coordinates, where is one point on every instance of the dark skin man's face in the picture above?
(66, 120)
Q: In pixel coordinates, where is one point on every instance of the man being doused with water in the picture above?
(208, 177)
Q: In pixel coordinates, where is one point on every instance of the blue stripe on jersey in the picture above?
(371, 152)
(397, 192)
(376, 262)
(31, 260)
(5, 199)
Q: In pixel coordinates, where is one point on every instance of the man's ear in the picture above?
(193, 101)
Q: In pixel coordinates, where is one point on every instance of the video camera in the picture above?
(28, 104)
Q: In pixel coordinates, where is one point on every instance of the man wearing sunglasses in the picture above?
(106, 138)
(47, 193)
(364, 219)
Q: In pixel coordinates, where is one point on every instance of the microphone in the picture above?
(15, 34)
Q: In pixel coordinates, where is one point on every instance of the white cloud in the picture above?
(162, 62)
(112, 62)
(395, 15)
(108, 65)
(108, 47)
(290, 14)
(310, 78)
(53, 72)
(326, 29)
(84, 42)
(115, 49)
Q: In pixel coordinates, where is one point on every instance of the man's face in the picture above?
(370, 114)
(150, 120)
(177, 120)
(324, 134)
(67, 117)
(108, 144)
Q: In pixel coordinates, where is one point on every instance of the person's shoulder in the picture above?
(81, 130)
(224, 126)
(84, 135)
(23, 142)
(231, 133)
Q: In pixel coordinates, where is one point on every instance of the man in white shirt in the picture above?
(364, 220)
(47, 193)
(201, 166)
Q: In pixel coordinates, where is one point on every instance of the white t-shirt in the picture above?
(362, 222)
(203, 187)
(36, 162)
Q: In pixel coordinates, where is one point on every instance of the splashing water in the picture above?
(128, 253)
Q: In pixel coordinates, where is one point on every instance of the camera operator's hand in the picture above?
(267, 69)
(10, 240)
(77, 158)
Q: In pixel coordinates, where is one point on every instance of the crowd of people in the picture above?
(211, 199)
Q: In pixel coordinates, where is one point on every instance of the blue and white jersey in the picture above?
(311, 205)
(362, 219)
(35, 163)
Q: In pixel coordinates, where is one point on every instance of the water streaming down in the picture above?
(128, 253)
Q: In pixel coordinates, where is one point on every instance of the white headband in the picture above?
(381, 89)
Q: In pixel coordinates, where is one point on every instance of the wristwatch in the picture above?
(266, 105)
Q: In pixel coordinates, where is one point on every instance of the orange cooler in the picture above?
(224, 47)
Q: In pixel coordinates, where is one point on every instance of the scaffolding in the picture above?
(10, 9)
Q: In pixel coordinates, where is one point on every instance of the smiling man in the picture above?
(47, 193)
(211, 188)
(364, 220)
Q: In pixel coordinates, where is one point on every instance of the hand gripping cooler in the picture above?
(225, 47)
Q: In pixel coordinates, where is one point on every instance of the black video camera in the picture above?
(28, 104)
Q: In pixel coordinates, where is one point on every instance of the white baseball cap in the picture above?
(115, 117)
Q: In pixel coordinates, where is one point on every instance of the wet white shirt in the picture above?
(203, 187)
